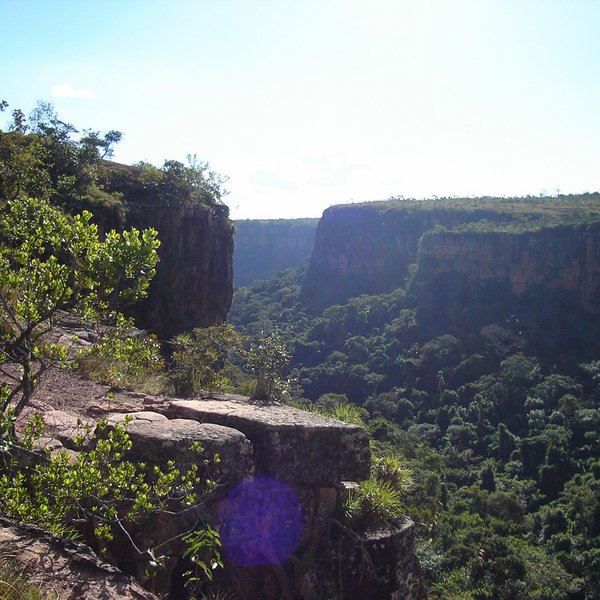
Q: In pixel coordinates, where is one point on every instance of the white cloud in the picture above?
(66, 90)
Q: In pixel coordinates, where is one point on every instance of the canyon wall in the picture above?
(265, 247)
(564, 258)
(367, 248)
(193, 286)
(536, 262)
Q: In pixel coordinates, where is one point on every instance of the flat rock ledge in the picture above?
(156, 439)
(70, 570)
(291, 445)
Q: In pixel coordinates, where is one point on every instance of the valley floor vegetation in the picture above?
(499, 425)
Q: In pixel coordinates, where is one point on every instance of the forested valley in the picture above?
(498, 423)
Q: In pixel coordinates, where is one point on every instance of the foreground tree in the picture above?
(199, 356)
(52, 264)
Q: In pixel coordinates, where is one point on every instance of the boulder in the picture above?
(157, 440)
(291, 445)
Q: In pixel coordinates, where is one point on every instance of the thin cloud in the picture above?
(66, 90)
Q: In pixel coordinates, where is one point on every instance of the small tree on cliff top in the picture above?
(51, 264)
(266, 360)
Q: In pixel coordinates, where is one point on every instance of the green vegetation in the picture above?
(537, 210)
(100, 488)
(56, 268)
(16, 586)
(381, 499)
(44, 157)
(199, 357)
(485, 420)
(266, 360)
(51, 265)
(496, 415)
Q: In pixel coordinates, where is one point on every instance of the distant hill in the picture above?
(265, 247)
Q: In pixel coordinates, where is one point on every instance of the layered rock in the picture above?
(280, 468)
(289, 444)
(193, 286)
(282, 476)
(563, 258)
(512, 246)
(158, 440)
(367, 248)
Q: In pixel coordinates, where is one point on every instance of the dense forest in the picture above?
(497, 413)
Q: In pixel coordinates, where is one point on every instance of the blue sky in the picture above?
(308, 103)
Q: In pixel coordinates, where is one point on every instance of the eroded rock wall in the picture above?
(265, 247)
(557, 258)
(193, 286)
(367, 248)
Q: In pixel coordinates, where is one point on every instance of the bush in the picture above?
(100, 490)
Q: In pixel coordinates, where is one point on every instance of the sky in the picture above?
(308, 103)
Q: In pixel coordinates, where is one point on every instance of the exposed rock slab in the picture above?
(157, 439)
(69, 569)
(289, 444)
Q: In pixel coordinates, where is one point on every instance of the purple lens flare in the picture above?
(261, 523)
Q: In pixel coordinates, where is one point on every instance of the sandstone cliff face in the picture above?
(367, 248)
(265, 247)
(559, 258)
(193, 286)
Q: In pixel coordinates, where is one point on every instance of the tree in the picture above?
(266, 360)
(199, 356)
(52, 264)
(102, 496)
(98, 146)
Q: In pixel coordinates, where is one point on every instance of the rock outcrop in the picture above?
(283, 508)
(193, 286)
(367, 248)
(289, 444)
(265, 247)
(282, 476)
(68, 569)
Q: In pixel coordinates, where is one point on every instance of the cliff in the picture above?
(368, 248)
(193, 286)
(265, 247)
(565, 258)
(282, 475)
